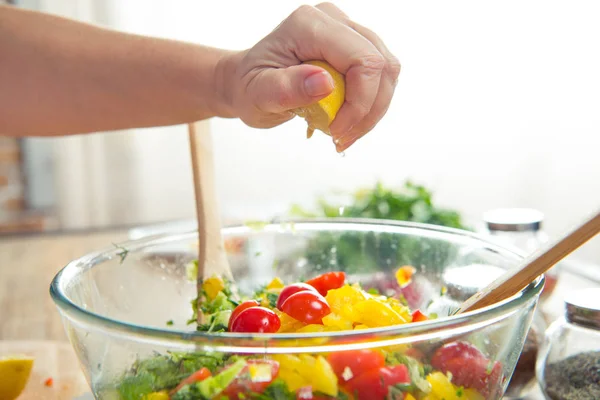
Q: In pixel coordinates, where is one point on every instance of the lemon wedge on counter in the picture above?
(14, 374)
(322, 113)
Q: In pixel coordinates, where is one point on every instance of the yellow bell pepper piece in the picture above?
(336, 321)
(313, 328)
(288, 324)
(404, 275)
(212, 286)
(409, 396)
(443, 389)
(377, 314)
(292, 379)
(324, 379)
(306, 370)
(164, 395)
(276, 283)
(347, 295)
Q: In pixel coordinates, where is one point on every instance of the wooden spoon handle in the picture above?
(212, 259)
(538, 263)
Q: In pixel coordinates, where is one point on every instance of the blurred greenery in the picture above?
(368, 251)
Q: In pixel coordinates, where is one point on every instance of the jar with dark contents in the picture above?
(568, 367)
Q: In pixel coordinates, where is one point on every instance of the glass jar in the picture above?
(521, 228)
(569, 364)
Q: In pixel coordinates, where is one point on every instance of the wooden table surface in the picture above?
(28, 264)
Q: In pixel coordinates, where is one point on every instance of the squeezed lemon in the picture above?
(321, 114)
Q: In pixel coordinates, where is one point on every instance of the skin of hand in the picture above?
(269, 80)
(61, 77)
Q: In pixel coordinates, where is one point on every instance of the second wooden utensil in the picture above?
(519, 277)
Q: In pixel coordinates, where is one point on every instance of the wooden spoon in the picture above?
(212, 259)
(514, 280)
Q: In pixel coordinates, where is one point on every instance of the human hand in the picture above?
(263, 85)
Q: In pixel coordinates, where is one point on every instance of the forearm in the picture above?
(63, 77)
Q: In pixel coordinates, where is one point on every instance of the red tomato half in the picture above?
(418, 316)
(290, 290)
(477, 374)
(308, 307)
(241, 307)
(450, 351)
(197, 376)
(244, 384)
(468, 366)
(374, 384)
(357, 361)
(327, 281)
(256, 320)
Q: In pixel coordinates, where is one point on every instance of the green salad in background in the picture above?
(360, 253)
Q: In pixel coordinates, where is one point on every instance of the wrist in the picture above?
(225, 84)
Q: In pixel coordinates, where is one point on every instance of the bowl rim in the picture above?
(467, 321)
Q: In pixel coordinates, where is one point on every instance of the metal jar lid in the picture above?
(513, 219)
(464, 281)
(583, 307)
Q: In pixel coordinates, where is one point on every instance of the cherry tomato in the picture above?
(290, 290)
(308, 307)
(418, 316)
(327, 281)
(197, 376)
(244, 384)
(468, 366)
(256, 320)
(479, 374)
(241, 307)
(374, 384)
(357, 361)
(452, 350)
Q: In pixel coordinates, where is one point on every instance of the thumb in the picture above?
(277, 90)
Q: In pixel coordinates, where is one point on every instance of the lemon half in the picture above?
(322, 113)
(14, 374)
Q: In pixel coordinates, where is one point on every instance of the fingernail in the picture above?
(318, 84)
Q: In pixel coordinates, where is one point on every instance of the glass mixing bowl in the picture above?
(126, 310)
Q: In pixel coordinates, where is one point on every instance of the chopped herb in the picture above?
(490, 367)
(170, 322)
(257, 254)
(277, 390)
(373, 291)
(256, 225)
(460, 391)
(123, 253)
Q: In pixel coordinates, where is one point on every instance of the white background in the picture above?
(498, 104)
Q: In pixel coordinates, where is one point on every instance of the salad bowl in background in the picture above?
(127, 310)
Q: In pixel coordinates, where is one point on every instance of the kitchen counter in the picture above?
(28, 264)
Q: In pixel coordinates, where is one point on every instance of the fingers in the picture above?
(387, 83)
(277, 90)
(317, 35)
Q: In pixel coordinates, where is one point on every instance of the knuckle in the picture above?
(303, 13)
(393, 67)
(326, 4)
(373, 63)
